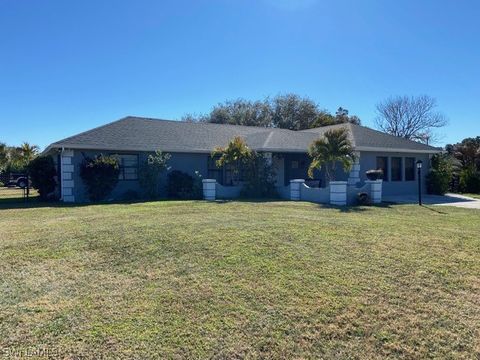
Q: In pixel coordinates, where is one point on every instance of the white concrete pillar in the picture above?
(338, 193)
(209, 189)
(67, 171)
(295, 193)
(375, 190)
(354, 176)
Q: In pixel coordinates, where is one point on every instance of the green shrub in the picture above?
(42, 173)
(150, 174)
(258, 173)
(197, 190)
(470, 180)
(259, 178)
(100, 176)
(183, 186)
(440, 174)
(2, 184)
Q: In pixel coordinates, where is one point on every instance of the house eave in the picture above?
(203, 151)
(397, 150)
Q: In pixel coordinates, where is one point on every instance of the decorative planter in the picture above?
(209, 187)
(338, 193)
(374, 174)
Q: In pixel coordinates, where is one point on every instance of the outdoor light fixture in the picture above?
(419, 176)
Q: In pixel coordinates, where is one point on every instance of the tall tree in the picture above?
(467, 152)
(334, 147)
(3, 156)
(242, 112)
(293, 112)
(341, 116)
(288, 111)
(28, 152)
(413, 118)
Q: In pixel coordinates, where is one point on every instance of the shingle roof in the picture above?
(145, 134)
(364, 138)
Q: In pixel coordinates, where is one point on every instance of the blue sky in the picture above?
(67, 66)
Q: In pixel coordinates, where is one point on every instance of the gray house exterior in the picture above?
(190, 145)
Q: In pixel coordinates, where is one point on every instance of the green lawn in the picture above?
(240, 279)
(14, 194)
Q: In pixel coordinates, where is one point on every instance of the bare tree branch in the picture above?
(413, 118)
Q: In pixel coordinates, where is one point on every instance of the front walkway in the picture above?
(447, 200)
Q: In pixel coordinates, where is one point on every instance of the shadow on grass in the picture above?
(36, 202)
(343, 209)
(355, 208)
(434, 210)
(33, 203)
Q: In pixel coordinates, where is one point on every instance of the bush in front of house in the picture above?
(470, 180)
(100, 176)
(440, 174)
(259, 179)
(181, 185)
(150, 174)
(42, 173)
(374, 174)
(258, 173)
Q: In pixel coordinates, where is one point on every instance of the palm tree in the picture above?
(333, 148)
(29, 152)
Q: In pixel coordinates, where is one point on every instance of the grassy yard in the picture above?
(14, 194)
(240, 279)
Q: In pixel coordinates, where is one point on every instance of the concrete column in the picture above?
(338, 193)
(209, 189)
(375, 190)
(67, 171)
(295, 185)
(354, 176)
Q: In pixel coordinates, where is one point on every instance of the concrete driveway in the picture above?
(446, 200)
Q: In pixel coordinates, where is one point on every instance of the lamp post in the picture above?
(419, 176)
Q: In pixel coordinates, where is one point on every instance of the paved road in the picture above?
(447, 200)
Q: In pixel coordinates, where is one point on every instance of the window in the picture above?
(409, 169)
(382, 164)
(396, 163)
(128, 166)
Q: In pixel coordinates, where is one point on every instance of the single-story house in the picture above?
(190, 145)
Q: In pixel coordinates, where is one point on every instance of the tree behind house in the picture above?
(413, 118)
(288, 111)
